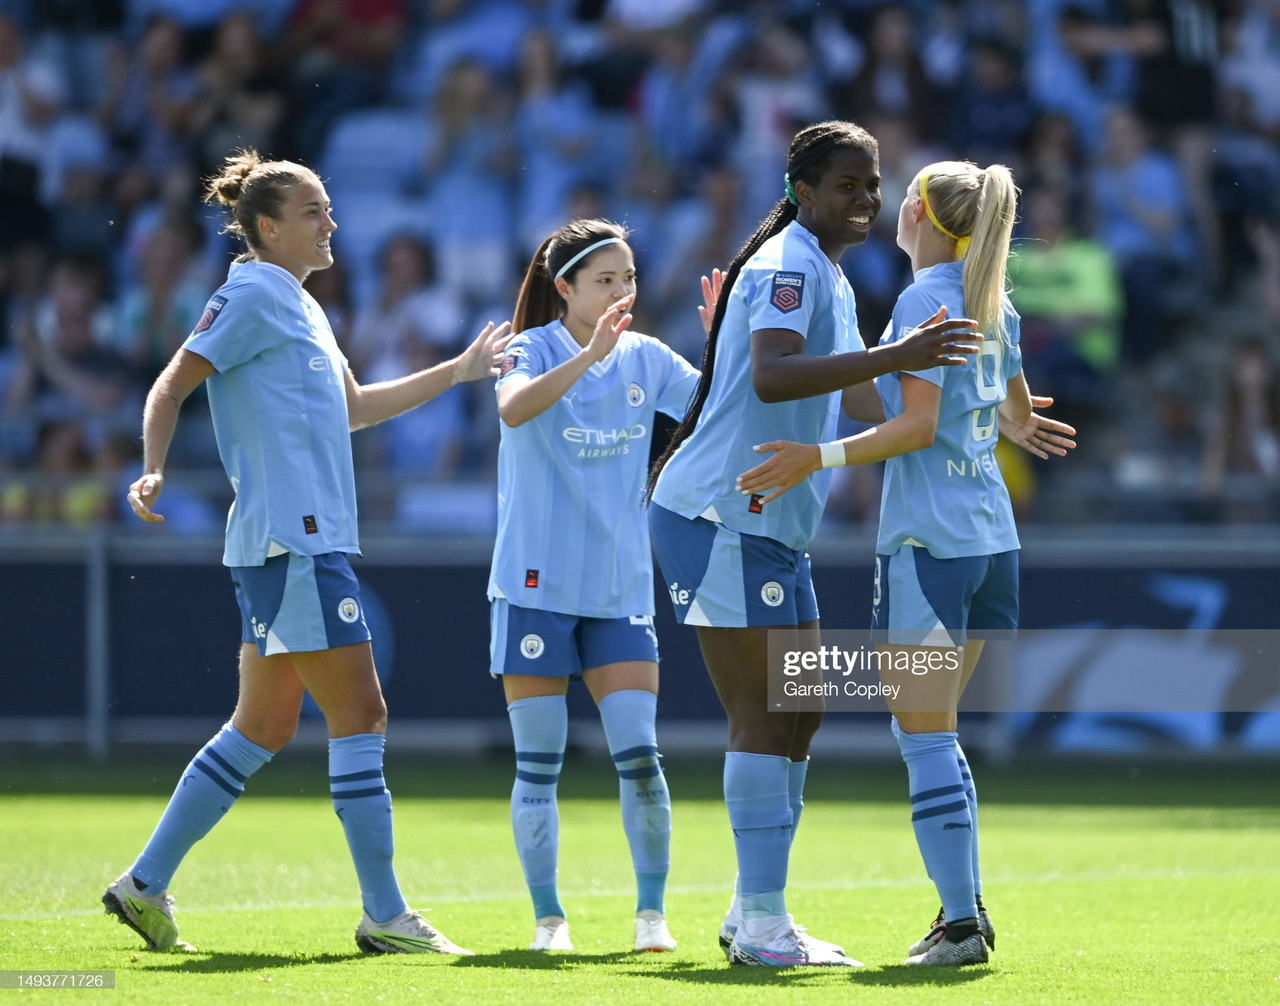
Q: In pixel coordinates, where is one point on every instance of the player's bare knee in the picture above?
(926, 722)
(765, 734)
(373, 717)
(807, 725)
(278, 739)
(269, 733)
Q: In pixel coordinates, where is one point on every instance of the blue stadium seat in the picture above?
(72, 141)
(375, 150)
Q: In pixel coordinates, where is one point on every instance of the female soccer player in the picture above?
(947, 554)
(572, 580)
(783, 345)
(284, 403)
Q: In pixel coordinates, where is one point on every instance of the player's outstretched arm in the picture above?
(368, 405)
(781, 372)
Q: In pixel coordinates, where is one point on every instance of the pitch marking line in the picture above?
(1053, 877)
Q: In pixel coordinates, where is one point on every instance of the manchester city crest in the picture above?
(532, 646)
(771, 593)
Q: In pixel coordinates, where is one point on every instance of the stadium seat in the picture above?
(376, 150)
(72, 141)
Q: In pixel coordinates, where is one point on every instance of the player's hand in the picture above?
(483, 357)
(711, 287)
(1038, 435)
(143, 495)
(609, 328)
(940, 341)
(790, 465)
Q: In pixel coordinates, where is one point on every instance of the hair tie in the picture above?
(962, 243)
(586, 251)
(790, 189)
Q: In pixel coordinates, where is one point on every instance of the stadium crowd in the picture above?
(453, 135)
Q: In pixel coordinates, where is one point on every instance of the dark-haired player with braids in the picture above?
(783, 354)
(572, 581)
(284, 403)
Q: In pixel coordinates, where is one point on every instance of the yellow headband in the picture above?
(962, 243)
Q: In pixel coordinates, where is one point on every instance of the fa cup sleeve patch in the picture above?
(215, 305)
(788, 291)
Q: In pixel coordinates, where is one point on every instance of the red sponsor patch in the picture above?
(788, 291)
(757, 504)
(530, 577)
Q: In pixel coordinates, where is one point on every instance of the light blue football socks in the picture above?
(797, 772)
(540, 728)
(971, 794)
(628, 718)
(940, 817)
(210, 784)
(757, 794)
(363, 805)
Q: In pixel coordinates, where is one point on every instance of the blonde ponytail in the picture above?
(985, 281)
(980, 206)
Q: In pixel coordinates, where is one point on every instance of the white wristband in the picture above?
(832, 454)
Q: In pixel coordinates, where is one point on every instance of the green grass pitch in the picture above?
(1107, 884)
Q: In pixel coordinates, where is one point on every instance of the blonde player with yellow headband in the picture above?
(947, 554)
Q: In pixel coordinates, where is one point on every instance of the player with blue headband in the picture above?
(571, 588)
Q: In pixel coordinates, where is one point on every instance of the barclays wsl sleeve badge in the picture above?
(211, 312)
(788, 291)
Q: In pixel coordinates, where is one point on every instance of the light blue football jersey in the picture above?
(279, 409)
(950, 497)
(789, 283)
(572, 534)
